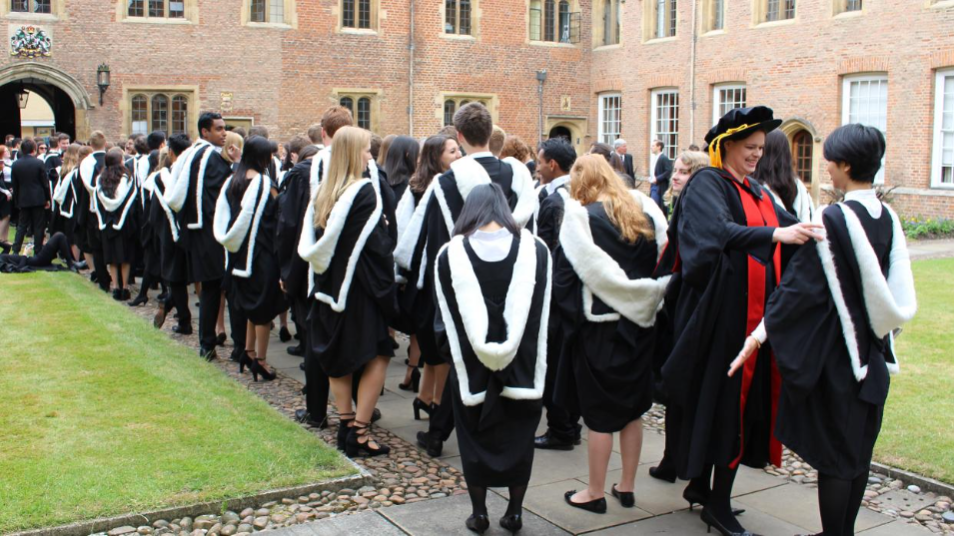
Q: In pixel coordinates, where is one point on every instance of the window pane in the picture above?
(276, 11)
(348, 103)
(157, 8)
(564, 21)
(364, 13)
(21, 6)
(536, 14)
(549, 20)
(660, 18)
(868, 105)
(853, 5)
(673, 17)
(947, 131)
(160, 113)
(347, 13)
(450, 17)
(718, 14)
(138, 115)
(771, 13)
(730, 99)
(135, 8)
(789, 9)
(258, 11)
(176, 9)
(464, 17)
(803, 156)
(364, 113)
(666, 126)
(180, 114)
(449, 109)
(42, 6)
(610, 118)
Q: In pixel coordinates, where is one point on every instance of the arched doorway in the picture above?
(570, 128)
(561, 132)
(806, 152)
(802, 154)
(65, 95)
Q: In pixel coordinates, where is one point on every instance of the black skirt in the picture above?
(418, 309)
(119, 245)
(6, 207)
(259, 297)
(344, 342)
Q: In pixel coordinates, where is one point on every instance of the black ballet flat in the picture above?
(712, 522)
(344, 427)
(695, 497)
(220, 339)
(661, 475)
(418, 406)
(593, 506)
(5, 247)
(139, 301)
(512, 523)
(284, 335)
(297, 350)
(626, 499)
(478, 524)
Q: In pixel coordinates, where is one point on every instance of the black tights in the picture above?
(719, 502)
(839, 501)
(478, 498)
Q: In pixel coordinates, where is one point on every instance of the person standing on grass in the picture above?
(116, 196)
(88, 236)
(831, 325)
(31, 195)
(6, 199)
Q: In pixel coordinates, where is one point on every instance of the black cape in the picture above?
(293, 202)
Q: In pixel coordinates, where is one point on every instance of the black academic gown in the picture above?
(87, 227)
(344, 341)
(162, 219)
(709, 323)
(826, 415)
(65, 215)
(497, 404)
(550, 216)
(118, 225)
(206, 257)
(149, 234)
(293, 203)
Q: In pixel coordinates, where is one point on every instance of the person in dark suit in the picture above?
(31, 195)
(620, 146)
(662, 173)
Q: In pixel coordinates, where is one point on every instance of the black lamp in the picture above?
(22, 97)
(102, 80)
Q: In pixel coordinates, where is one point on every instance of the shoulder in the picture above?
(447, 179)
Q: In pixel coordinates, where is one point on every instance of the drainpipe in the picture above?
(541, 78)
(410, 73)
(692, 78)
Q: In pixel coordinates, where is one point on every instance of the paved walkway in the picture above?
(931, 249)
(774, 506)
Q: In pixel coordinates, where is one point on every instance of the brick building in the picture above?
(639, 69)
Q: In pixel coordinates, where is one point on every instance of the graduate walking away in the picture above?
(345, 239)
(492, 283)
(730, 262)
(831, 325)
(116, 197)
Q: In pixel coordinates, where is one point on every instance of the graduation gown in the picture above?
(148, 233)
(172, 258)
(830, 325)
(607, 301)
(431, 225)
(247, 228)
(65, 197)
(492, 324)
(717, 306)
(87, 233)
(196, 186)
(117, 221)
(353, 281)
(293, 202)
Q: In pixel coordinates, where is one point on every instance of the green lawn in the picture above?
(918, 431)
(100, 414)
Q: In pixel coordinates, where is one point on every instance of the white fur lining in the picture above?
(404, 212)
(408, 239)
(62, 188)
(803, 205)
(126, 194)
(319, 253)
(164, 176)
(252, 207)
(638, 300)
(177, 195)
(495, 356)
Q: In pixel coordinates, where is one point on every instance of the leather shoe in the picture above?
(433, 446)
(548, 441)
(626, 499)
(183, 329)
(303, 416)
(375, 416)
(209, 354)
(593, 506)
(297, 350)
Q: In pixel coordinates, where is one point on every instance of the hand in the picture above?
(652, 180)
(384, 218)
(798, 234)
(46, 205)
(281, 283)
(748, 350)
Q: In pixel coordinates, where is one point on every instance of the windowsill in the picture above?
(614, 46)
(772, 24)
(269, 25)
(556, 44)
(714, 33)
(657, 40)
(20, 16)
(943, 4)
(358, 31)
(942, 187)
(849, 14)
(458, 37)
(156, 20)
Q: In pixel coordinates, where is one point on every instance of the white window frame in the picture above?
(717, 99)
(603, 133)
(846, 108)
(671, 149)
(936, 154)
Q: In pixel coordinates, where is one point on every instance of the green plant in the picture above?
(919, 227)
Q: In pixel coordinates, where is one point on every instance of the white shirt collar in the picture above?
(483, 154)
(492, 246)
(556, 183)
(868, 198)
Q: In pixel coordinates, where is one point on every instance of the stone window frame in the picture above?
(710, 13)
(356, 94)
(554, 7)
(717, 102)
(607, 15)
(490, 100)
(57, 11)
(866, 78)
(190, 13)
(189, 92)
(761, 12)
(672, 145)
(651, 20)
(289, 15)
(942, 77)
(374, 20)
(848, 8)
(601, 107)
(938, 4)
(474, 20)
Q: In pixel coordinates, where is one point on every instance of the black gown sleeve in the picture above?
(375, 270)
(291, 202)
(548, 221)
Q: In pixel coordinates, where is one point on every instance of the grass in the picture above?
(100, 414)
(918, 431)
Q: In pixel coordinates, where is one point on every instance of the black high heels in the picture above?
(419, 405)
(139, 301)
(512, 523)
(284, 335)
(344, 427)
(712, 522)
(244, 361)
(593, 506)
(415, 384)
(695, 497)
(259, 369)
(353, 446)
(220, 339)
(478, 524)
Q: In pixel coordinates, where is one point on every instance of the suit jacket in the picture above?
(628, 165)
(31, 185)
(663, 172)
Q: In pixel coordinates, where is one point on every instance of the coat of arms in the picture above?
(30, 42)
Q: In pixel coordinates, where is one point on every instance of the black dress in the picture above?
(117, 222)
(354, 287)
(247, 226)
(607, 354)
(717, 248)
(835, 380)
(498, 375)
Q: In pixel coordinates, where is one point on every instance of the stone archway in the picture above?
(66, 95)
(806, 150)
(573, 128)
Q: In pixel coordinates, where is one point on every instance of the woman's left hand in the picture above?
(749, 349)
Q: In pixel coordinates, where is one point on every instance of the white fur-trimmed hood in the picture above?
(249, 219)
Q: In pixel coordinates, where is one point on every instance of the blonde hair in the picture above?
(694, 160)
(232, 138)
(71, 159)
(346, 167)
(165, 158)
(592, 179)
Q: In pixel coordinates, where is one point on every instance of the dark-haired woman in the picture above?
(831, 325)
(492, 282)
(776, 174)
(344, 237)
(400, 163)
(172, 257)
(729, 262)
(610, 241)
(148, 236)
(437, 154)
(117, 195)
(246, 219)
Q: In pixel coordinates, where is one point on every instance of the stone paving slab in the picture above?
(446, 516)
(688, 523)
(897, 527)
(364, 523)
(798, 505)
(548, 502)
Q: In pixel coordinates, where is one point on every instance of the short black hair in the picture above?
(860, 147)
(561, 151)
(155, 139)
(141, 144)
(179, 143)
(207, 119)
(27, 147)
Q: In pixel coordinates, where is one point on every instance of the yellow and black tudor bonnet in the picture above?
(737, 124)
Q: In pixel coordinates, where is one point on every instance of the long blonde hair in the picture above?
(346, 167)
(232, 138)
(694, 160)
(71, 159)
(592, 179)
